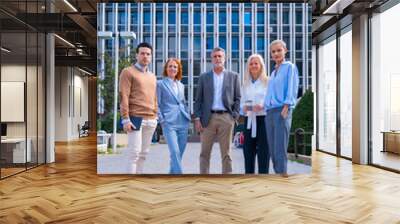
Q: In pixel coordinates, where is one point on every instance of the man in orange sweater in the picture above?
(137, 87)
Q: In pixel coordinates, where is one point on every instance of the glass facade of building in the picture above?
(190, 31)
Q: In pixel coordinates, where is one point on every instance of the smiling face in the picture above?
(278, 52)
(172, 69)
(254, 67)
(143, 56)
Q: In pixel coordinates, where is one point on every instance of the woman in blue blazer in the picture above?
(173, 114)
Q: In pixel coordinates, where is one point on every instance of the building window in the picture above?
(327, 96)
(273, 16)
(184, 43)
(299, 65)
(235, 17)
(197, 43)
(197, 18)
(385, 87)
(210, 17)
(235, 43)
(222, 17)
(222, 42)
(285, 16)
(247, 18)
(109, 17)
(171, 17)
(171, 43)
(299, 43)
(146, 17)
(286, 38)
(247, 43)
(121, 17)
(159, 17)
(260, 18)
(146, 38)
(159, 43)
(260, 43)
(346, 94)
(210, 42)
(134, 17)
(299, 16)
(184, 18)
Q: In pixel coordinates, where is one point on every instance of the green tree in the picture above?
(106, 91)
(303, 117)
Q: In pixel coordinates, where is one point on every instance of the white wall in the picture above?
(33, 126)
(61, 103)
(16, 73)
(80, 115)
(71, 94)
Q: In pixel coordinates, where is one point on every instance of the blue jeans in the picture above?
(278, 131)
(176, 137)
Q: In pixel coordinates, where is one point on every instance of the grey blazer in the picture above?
(205, 96)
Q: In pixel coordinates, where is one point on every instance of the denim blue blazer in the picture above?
(171, 106)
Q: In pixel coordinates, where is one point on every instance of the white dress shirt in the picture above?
(255, 92)
(140, 67)
(174, 86)
(218, 80)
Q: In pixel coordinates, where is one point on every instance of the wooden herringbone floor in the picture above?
(70, 191)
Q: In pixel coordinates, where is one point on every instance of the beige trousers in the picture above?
(220, 127)
(139, 145)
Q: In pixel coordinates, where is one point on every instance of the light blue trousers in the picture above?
(278, 132)
(176, 137)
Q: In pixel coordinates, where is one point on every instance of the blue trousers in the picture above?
(176, 137)
(278, 131)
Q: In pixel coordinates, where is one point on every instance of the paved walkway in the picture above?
(157, 161)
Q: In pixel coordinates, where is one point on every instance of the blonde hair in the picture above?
(278, 42)
(263, 75)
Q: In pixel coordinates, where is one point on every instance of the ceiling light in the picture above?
(5, 50)
(65, 41)
(70, 5)
(84, 71)
(337, 7)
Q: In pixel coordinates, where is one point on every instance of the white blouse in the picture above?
(254, 92)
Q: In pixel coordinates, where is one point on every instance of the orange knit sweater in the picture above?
(137, 93)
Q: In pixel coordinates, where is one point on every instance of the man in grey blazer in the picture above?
(216, 109)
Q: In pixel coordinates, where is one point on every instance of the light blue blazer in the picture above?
(172, 109)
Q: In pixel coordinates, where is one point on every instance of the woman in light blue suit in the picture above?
(172, 112)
